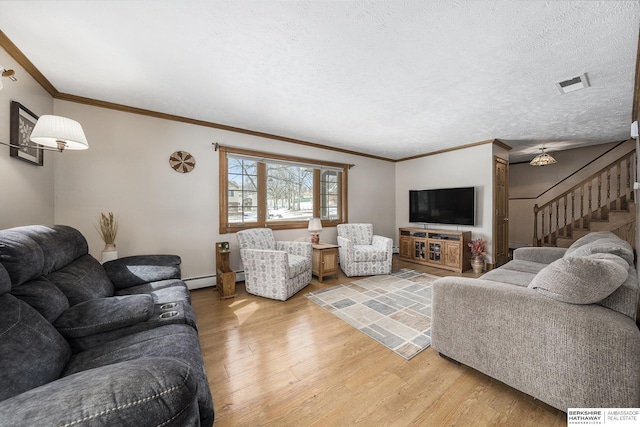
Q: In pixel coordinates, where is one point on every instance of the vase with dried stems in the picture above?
(108, 229)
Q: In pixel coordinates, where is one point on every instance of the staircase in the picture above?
(602, 202)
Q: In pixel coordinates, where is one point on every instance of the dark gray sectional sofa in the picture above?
(88, 344)
(557, 324)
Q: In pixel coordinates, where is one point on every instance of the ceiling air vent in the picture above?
(573, 84)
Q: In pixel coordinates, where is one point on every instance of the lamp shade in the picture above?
(542, 159)
(315, 225)
(59, 132)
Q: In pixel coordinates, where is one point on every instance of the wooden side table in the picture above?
(325, 260)
(225, 277)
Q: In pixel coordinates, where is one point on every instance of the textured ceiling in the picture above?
(387, 78)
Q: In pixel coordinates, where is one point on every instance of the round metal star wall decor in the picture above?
(182, 162)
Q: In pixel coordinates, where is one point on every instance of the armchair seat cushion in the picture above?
(364, 253)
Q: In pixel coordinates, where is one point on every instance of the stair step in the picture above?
(579, 232)
(564, 242)
(615, 221)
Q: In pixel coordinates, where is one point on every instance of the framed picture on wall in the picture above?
(22, 123)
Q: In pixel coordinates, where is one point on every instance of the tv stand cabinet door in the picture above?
(452, 254)
(406, 247)
(434, 249)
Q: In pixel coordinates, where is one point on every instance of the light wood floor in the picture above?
(293, 364)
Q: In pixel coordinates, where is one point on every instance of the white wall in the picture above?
(126, 170)
(459, 168)
(26, 190)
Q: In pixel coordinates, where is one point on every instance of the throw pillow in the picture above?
(603, 243)
(589, 238)
(584, 280)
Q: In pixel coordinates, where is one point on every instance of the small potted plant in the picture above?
(477, 255)
(108, 229)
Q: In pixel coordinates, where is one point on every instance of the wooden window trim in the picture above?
(226, 227)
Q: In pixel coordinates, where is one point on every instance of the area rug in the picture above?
(394, 309)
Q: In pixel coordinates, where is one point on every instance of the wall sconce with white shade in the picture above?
(542, 159)
(56, 133)
(315, 227)
(60, 133)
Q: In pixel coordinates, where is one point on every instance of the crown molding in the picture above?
(25, 63)
(459, 147)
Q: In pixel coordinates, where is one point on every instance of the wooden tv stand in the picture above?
(446, 249)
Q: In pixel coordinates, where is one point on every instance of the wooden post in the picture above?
(225, 277)
(573, 209)
(599, 205)
(608, 189)
(589, 208)
(565, 217)
(582, 206)
(535, 225)
(618, 201)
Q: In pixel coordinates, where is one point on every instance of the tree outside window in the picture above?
(279, 192)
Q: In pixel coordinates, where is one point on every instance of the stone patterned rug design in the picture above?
(394, 309)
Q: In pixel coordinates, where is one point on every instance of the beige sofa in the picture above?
(557, 324)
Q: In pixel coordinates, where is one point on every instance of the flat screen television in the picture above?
(443, 206)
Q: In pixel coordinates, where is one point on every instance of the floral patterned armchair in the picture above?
(361, 252)
(275, 270)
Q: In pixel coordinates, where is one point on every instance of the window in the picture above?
(279, 192)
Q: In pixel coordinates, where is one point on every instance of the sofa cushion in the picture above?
(82, 279)
(512, 277)
(60, 244)
(146, 391)
(601, 242)
(524, 266)
(589, 238)
(625, 298)
(176, 341)
(32, 353)
(581, 280)
(21, 256)
(104, 314)
(5, 281)
(44, 296)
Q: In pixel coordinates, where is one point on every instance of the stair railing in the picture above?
(591, 200)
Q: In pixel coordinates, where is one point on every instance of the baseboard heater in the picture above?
(208, 281)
